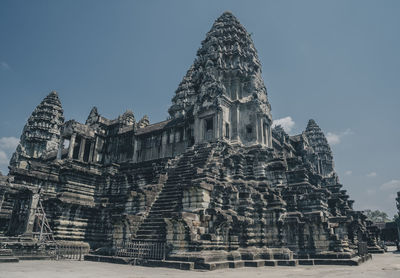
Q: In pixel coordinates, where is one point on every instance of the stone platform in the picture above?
(214, 263)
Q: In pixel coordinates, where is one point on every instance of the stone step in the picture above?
(169, 264)
(33, 257)
(170, 195)
(150, 232)
(148, 226)
(212, 266)
(150, 237)
(166, 203)
(107, 259)
(9, 259)
(160, 213)
(151, 223)
(154, 219)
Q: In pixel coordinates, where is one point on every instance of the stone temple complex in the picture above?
(215, 185)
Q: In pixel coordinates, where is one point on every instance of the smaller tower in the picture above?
(41, 133)
(317, 140)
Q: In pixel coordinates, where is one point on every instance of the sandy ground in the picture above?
(385, 265)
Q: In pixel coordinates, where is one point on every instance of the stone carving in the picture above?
(214, 182)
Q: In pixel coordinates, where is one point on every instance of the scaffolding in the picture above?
(44, 232)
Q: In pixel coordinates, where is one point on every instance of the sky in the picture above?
(337, 62)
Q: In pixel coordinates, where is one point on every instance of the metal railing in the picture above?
(70, 252)
(54, 251)
(139, 249)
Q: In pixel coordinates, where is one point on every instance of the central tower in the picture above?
(223, 91)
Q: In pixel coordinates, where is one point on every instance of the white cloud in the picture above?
(332, 138)
(7, 147)
(3, 158)
(4, 66)
(372, 175)
(390, 185)
(286, 123)
(370, 192)
(8, 143)
(336, 138)
(348, 173)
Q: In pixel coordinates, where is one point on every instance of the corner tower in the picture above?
(223, 91)
(41, 133)
(323, 161)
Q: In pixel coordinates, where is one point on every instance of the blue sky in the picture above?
(335, 61)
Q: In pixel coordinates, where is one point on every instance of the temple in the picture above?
(215, 184)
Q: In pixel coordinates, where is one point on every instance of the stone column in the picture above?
(185, 135)
(135, 151)
(60, 148)
(215, 125)
(237, 128)
(264, 133)
(71, 146)
(91, 149)
(269, 136)
(261, 130)
(196, 131)
(202, 132)
(257, 127)
(221, 124)
(82, 149)
(92, 157)
(95, 149)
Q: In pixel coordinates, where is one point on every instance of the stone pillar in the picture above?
(91, 151)
(196, 131)
(215, 125)
(202, 132)
(261, 131)
(265, 133)
(257, 127)
(71, 146)
(82, 149)
(135, 151)
(60, 148)
(269, 136)
(92, 155)
(237, 128)
(185, 135)
(221, 124)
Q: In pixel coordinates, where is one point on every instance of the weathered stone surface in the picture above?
(216, 182)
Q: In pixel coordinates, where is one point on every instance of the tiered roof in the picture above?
(227, 53)
(41, 133)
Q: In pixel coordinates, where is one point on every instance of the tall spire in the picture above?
(226, 64)
(41, 133)
(318, 142)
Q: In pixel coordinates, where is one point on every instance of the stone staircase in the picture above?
(169, 200)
